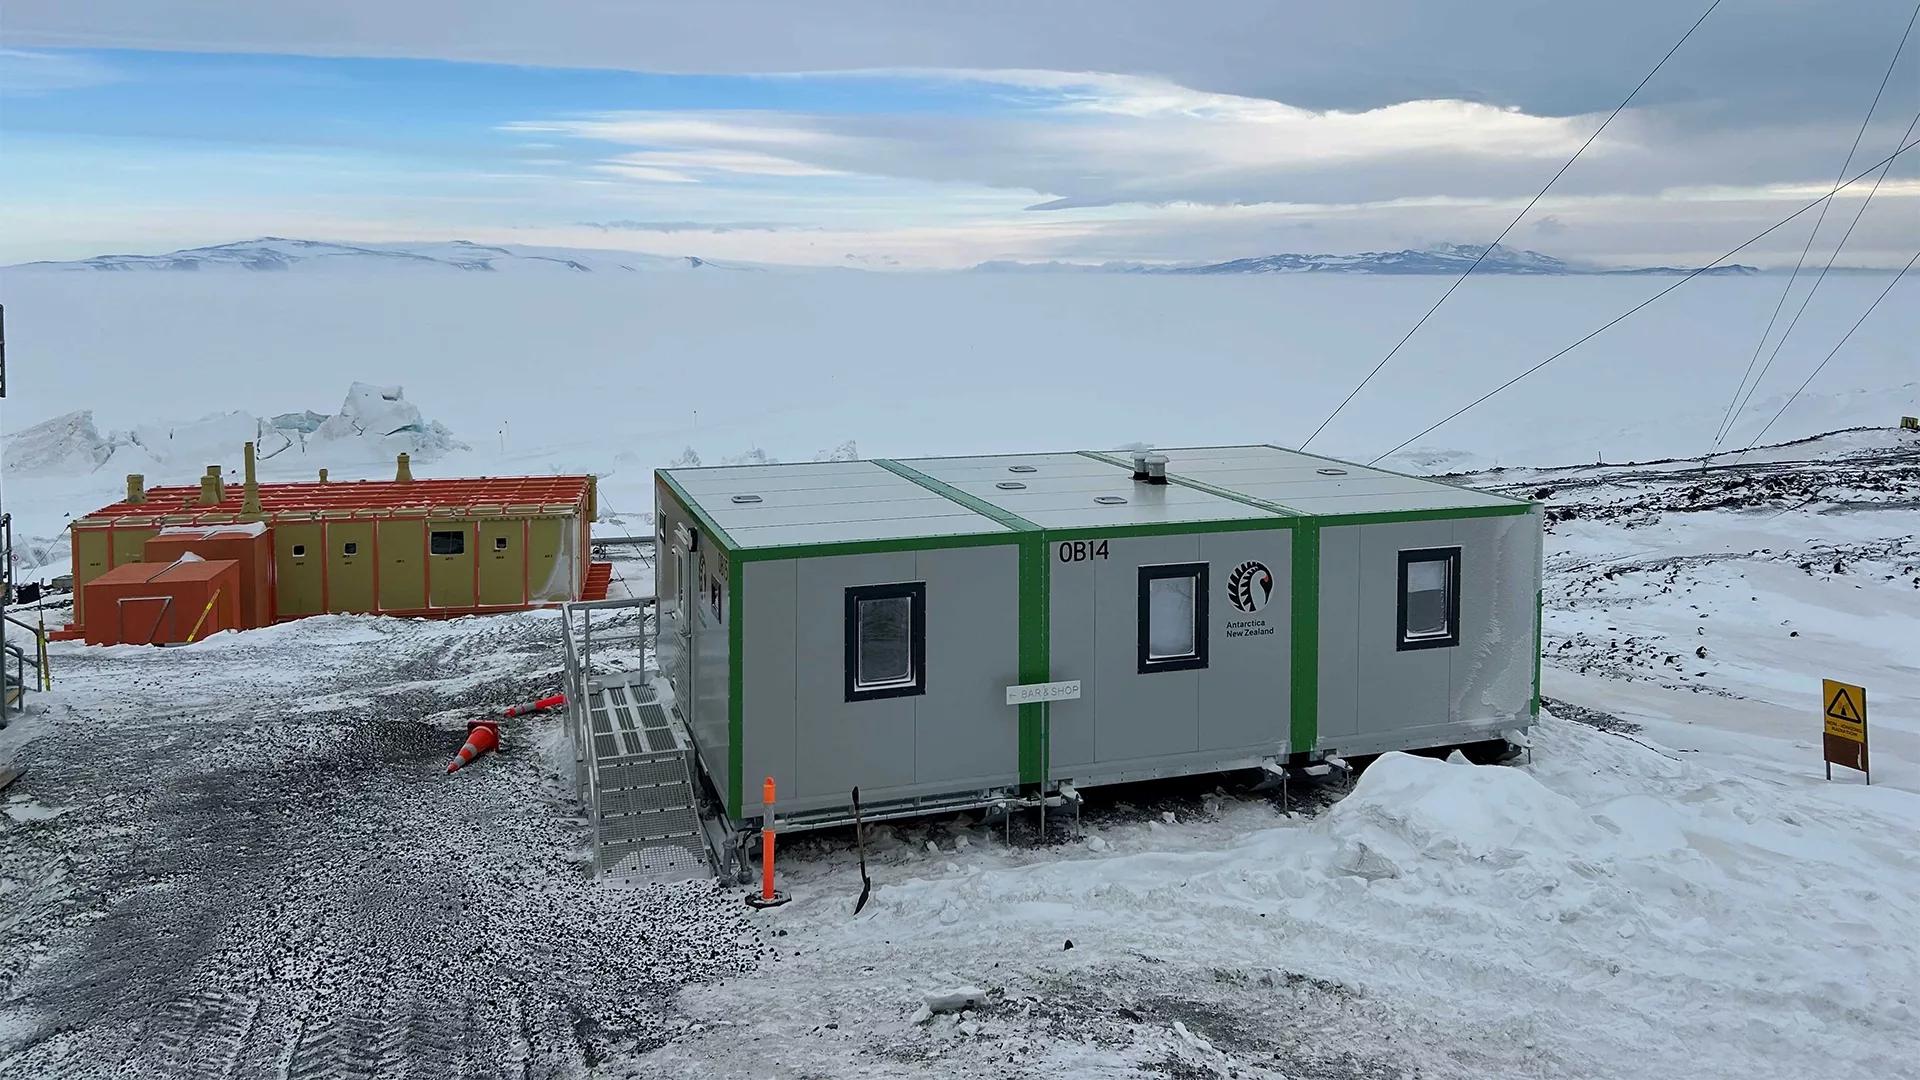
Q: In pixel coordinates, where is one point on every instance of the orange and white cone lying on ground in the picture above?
(551, 701)
(481, 739)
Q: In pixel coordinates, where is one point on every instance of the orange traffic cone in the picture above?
(551, 701)
(481, 739)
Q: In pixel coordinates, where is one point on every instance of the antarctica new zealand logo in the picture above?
(1250, 586)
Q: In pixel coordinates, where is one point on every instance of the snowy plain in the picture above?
(1669, 887)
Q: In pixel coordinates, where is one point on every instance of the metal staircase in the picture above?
(633, 758)
(646, 821)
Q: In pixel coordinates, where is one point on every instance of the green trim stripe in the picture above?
(1539, 612)
(1035, 590)
(953, 494)
(1305, 678)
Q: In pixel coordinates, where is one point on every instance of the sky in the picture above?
(895, 135)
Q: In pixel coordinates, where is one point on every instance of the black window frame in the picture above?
(433, 536)
(298, 551)
(915, 592)
(350, 547)
(501, 542)
(1202, 617)
(1451, 556)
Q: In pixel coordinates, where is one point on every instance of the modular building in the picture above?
(947, 632)
(392, 547)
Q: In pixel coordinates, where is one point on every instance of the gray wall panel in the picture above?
(842, 743)
(1140, 716)
(1071, 624)
(712, 677)
(960, 735)
(1493, 667)
(1396, 689)
(1244, 697)
(1339, 634)
(769, 676)
(966, 733)
(1427, 697)
(1127, 723)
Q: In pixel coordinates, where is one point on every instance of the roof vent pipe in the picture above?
(213, 487)
(136, 488)
(250, 498)
(403, 470)
(1149, 468)
(323, 476)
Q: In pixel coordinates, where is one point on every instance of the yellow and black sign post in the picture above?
(1845, 738)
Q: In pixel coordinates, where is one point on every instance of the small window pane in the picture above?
(299, 550)
(350, 548)
(499, 543)
(886, 641)
(1170, 618)
(447, 543)
(1427, 603)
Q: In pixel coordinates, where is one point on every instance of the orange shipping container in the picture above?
(163, 603)
(249, 544)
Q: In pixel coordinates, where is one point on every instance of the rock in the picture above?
(953, 1001)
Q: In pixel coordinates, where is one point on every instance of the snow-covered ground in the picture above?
(241, 857)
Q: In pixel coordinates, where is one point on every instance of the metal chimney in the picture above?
(1149, 467)
(250, 500)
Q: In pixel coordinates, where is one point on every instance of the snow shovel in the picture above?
(860, 842)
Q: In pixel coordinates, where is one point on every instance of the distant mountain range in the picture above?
(1440, 259)
(275, 254)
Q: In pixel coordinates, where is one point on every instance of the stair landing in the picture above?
(599, 580)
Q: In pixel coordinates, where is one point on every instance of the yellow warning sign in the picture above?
(1846, 710)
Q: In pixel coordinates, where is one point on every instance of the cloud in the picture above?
(24, 72)
(628, 225)
(1809, 60)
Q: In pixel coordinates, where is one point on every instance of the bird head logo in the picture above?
(1250, 586)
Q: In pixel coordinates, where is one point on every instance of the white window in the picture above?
(1429, 598)
(886, 636)
(1173, 617)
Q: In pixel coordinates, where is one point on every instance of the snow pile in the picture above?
(1409, 810)
(63, 446)
(378, 422)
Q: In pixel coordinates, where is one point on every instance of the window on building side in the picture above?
(447, 542)
(886, 637)
(1173, 617)
(299, 550)
(1429, 598)
(351, 547)
(499, 543)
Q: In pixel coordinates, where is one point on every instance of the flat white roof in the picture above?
(1066, 491)
(1314, 486)
(852, 501)
(824, 502)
